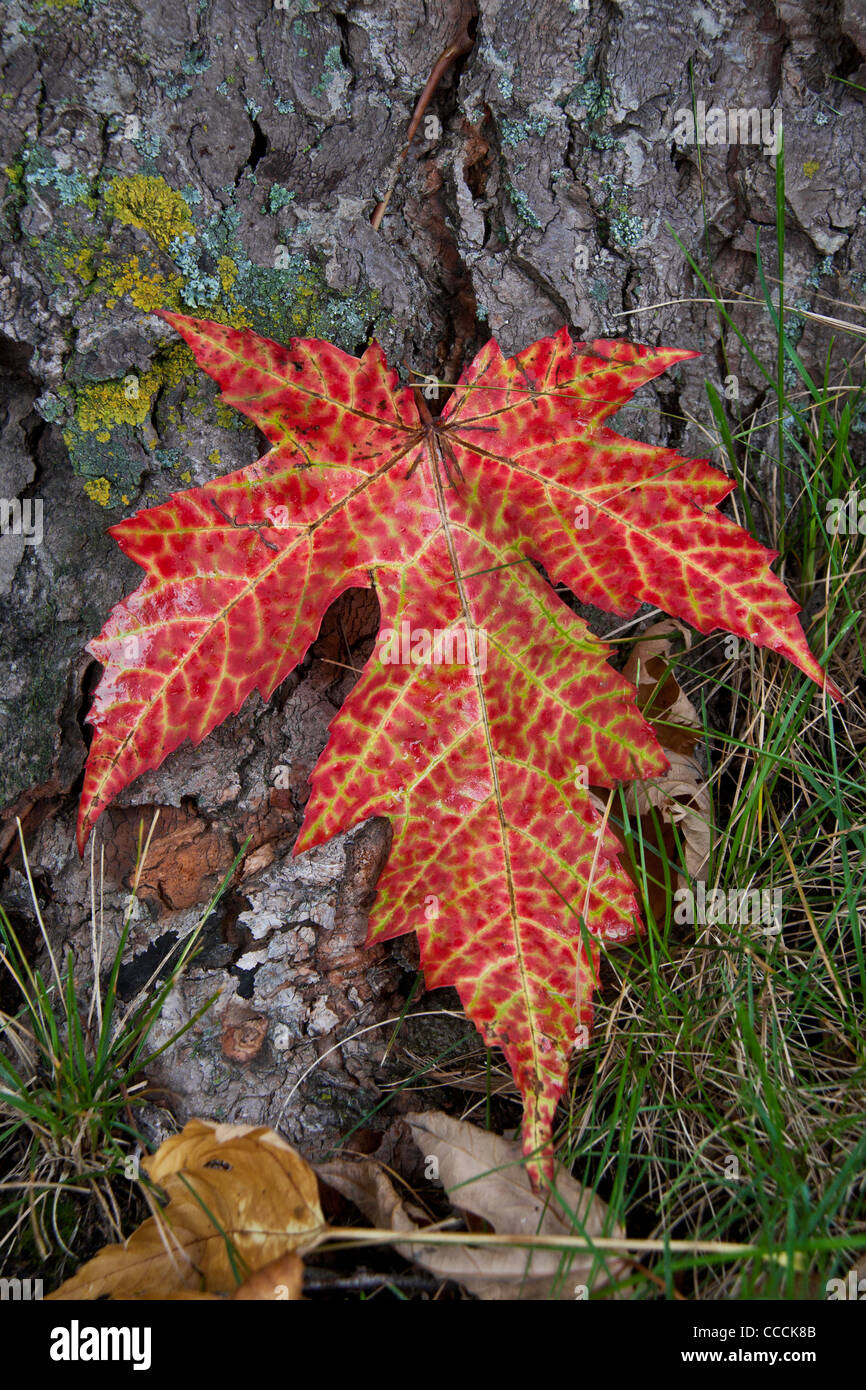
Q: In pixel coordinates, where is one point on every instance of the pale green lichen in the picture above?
(279, 197)
(50, 407)
(331, 66)
(194, 62)
(168, 458)
(818, 271)
(626, 230)
(41, 171)
(295, 301)
(594, 97)
(199, 287)
(522, 207)
(793, 328)
(515, 132)
(147, 143)
(596, 101)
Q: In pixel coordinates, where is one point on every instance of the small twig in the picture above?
(329, 662)
(462, 44)
(325, 1281)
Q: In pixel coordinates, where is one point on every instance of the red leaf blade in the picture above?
(488, 706)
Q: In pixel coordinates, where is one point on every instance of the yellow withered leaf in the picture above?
(239, 1198)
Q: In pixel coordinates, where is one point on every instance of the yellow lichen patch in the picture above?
(176, 363)
(228, 272)
(150, 203)
(98, 490)
(101, 407)
(231, 311)
(214, 458)
(226, 418)
(104, 405)
(148, 290)
(238, 315)
(80, 262)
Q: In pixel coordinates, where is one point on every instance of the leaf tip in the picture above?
(83, 829)
(830, 688)
(167, 314)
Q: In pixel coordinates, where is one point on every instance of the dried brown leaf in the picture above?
(224, 1183)
(681, 796)
(660, 699)
(486, 1175)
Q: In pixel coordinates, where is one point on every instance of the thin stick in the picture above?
(462, 44)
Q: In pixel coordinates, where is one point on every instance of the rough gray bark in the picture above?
(225, 158)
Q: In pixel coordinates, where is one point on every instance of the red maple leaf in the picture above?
(488, 705)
